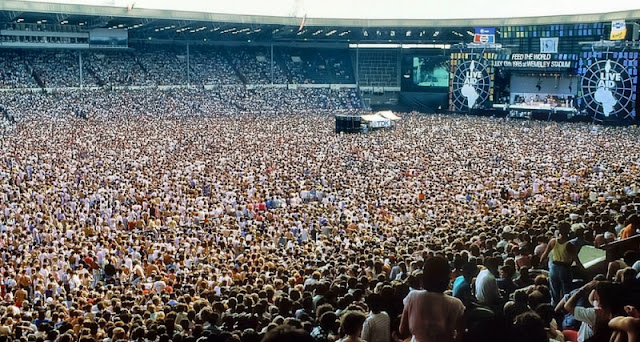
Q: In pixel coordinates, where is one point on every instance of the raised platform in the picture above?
(523, 107)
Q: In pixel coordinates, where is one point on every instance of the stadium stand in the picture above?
(255, 65)
(14, 71)
(151, 66)
(56, 69)
(306, 66)
(163, 66)
(113, 68)
(208, 66)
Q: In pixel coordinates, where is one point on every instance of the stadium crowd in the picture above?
(56, 68)
(255, 65)
(210, 67)
(160, 66)
(238, 215)
(14, 73)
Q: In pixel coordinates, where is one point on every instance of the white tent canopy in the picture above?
(387, 114)
(376, 120)
(373, 117)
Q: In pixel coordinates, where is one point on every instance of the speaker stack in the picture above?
(348, 123)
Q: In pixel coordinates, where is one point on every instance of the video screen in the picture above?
(425, 73)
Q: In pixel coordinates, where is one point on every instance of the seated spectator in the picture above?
(523, 280)
(516, 307)
(632, 226)
(529, 327)
(626, 326)
(462, 284)
(505, 282)
(578, 241)
(546, 313)
(487, 291)
(595, 320)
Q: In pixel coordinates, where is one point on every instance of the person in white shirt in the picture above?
(159, 285)
(377, 326)
(605, 297)
(487, 292)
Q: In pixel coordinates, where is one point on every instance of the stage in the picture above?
(534, 107)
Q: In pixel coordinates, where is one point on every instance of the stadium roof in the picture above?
(429, 21)
(351, 12)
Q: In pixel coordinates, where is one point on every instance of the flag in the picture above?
(304, 18)
(618, 30)
(549, 45)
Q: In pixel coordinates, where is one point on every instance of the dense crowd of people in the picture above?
(112, 68)
(64, 73)
(239, 215)
(256, 66)
(159, 65)
(211, 67)
(14, 72)
(166, 66)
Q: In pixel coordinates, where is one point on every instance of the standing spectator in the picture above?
(562, 254)
(326, 330)
(430, 315)
(377, 327)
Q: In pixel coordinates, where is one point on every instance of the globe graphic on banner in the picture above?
(607, 90)
(471, 84)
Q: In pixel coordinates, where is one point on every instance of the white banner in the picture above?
(549, 45)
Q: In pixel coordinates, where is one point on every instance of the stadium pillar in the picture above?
(271, 63)
(188, 61)
(80, 62)
(358, 68)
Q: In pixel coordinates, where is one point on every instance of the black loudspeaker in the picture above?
(348, 124)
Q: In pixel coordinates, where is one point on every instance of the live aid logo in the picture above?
(472, 77)
(608, 78)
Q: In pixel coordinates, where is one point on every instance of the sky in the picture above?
(379, 9)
